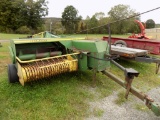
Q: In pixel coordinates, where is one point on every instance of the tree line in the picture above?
(18, 15)
(28, 16)
(97, 24)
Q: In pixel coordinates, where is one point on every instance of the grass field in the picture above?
(4, 36)
(65, 96)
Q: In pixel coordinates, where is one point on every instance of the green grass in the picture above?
(121, 99)
(61, 98)
(98, 112)
(4, 36)
(65, 96)
(141, 107)
(147, 78)
(4, 47)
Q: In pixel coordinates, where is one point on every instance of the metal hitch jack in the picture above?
(129, 76)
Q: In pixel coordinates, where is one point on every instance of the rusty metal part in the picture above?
(128, 86)
(157, 68)
(46, 68)
(133, 90)
(155, 107)
(148, 59)
(94, 78)
(129, 76)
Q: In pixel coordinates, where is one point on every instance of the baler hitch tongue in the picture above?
(157, 68)
(155, 107)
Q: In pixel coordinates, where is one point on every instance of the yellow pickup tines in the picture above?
(46, 68)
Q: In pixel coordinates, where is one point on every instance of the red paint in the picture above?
(139, 35)
(153, 46)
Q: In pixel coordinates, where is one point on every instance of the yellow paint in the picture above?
(44, 58)
(38, 40)
(42, 69)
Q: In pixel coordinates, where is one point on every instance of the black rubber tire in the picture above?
(12, 74)
(120, 43)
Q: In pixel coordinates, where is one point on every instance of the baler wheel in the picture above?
(12, 74)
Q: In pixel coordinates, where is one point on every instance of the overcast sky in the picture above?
(90, 7)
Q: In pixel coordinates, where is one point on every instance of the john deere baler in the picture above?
(35, 59)
(42, 58)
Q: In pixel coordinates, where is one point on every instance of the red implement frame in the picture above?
(153, 46)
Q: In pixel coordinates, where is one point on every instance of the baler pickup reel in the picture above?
(42, 58)
(44, 68)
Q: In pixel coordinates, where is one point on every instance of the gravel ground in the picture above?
(4, 41)
(127, 111)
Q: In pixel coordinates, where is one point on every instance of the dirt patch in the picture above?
(127, 111)
(4, 41)
(155, 94)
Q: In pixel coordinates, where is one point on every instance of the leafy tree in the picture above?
(103, 22)
(133, 27)
(34, 11)
(23, 30)
(11, 14)
(17, 13)
(81, 27)
(58, 28)
(119, 12)
(150, 23)
(70, 19)
(99, 15)
(92, 24)
(85, 25)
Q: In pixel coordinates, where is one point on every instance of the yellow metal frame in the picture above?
(39, 34)
(36, 60)
(38, 40)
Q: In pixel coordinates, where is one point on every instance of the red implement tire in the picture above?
(120, 43)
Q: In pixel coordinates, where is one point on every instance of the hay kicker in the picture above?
(45, 68)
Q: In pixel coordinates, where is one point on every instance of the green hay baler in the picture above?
(42, 58)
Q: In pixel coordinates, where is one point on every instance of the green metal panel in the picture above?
(90, 45)
(27, 57)
(82, 62)
(13, 49)
(49, 35)
(155, 108)
(97, 50)
(12, 55)
(67, 43)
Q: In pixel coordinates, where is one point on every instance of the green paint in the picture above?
(96, 53)
(82, 62)
(67, 43)
(155, 107)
